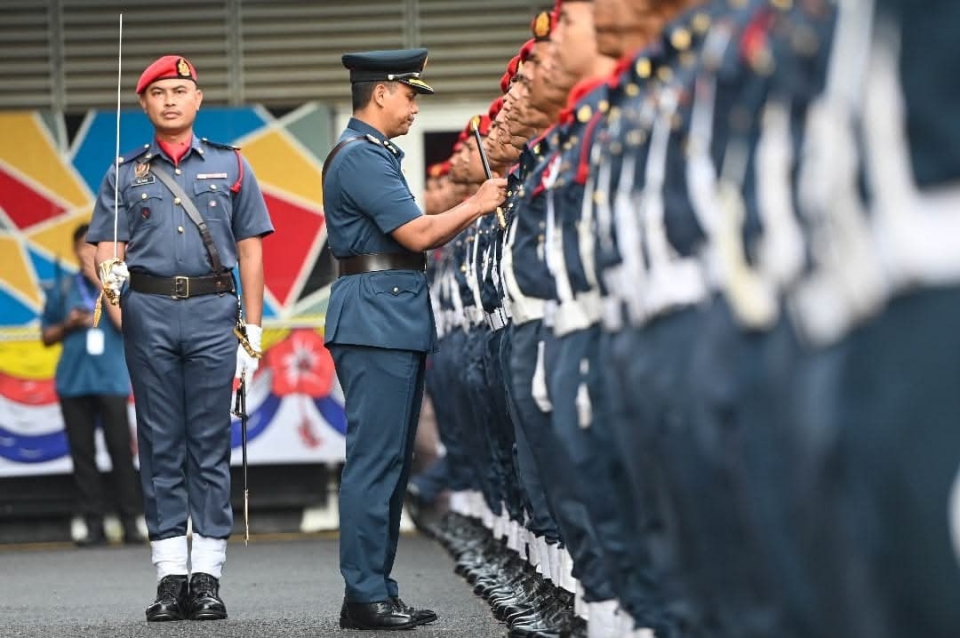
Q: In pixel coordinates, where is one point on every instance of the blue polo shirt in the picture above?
(78, 372)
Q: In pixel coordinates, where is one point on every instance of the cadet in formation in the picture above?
(725, 389)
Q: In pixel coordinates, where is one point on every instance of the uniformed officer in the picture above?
(188, 212)
(379, 324)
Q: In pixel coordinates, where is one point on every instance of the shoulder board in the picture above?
(226, 147)
(134, 154)
(373, 140)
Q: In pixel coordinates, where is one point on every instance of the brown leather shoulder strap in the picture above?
(333, 153)
(191, 209)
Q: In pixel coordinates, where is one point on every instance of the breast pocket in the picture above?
(214, 200)
(143, 204)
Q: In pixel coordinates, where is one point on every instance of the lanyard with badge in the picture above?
(95, 337)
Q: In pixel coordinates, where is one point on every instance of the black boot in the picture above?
(204, 600)
(170, 603)
(95, 537)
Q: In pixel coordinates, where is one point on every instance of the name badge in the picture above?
(140, 181)
(211, 176)
(95, 342)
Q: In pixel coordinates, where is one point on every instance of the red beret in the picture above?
(444, 168)
(510, 73)
(166, 68)
(482, 122)
(526, 50)
(495, 108)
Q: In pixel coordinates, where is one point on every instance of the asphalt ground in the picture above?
(276, 586)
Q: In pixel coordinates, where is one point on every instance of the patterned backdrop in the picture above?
(50, 168)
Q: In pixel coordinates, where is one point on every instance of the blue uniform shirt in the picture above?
(161, 238)
(529, 262)
(78, 372)
(366, 198)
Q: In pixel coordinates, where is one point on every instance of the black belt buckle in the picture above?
(181, 287)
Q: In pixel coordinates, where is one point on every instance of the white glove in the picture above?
(113, 273)
(246, 364)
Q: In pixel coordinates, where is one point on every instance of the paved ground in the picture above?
(273, 587)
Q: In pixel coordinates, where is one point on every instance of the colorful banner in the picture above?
(50, 168)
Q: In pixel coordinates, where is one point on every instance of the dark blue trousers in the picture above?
(562, 486)
(444, 387)
(581, 424)
(383, 390)
(539, 517)
(900, 443)
(181, 354)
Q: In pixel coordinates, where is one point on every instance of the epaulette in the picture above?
(134, 154)
(226, 147)
(237, 185)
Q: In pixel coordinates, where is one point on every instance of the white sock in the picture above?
(208, 555)
(580, 607)
(569, 582)
(604, 621)
(546, 556)
(170, 556)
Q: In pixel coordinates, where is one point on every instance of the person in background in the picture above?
(93, 386)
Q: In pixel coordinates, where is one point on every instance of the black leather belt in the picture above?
(181, 287)
(376, 262)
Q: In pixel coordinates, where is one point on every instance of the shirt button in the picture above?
(395, 290)
(213, 187)
(180, 229)
(178, 171)
(143, 195)
(176, 200)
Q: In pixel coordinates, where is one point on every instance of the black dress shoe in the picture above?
(422, 616)
(382, 615)
(170, 603)
(204, 600)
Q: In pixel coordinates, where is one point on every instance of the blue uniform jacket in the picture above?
(161, 239)
(366, 198)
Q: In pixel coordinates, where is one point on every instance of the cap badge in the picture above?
(541, 26)
(183, 69)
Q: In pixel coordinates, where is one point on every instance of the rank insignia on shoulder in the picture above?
(374, 139)
(228, 147)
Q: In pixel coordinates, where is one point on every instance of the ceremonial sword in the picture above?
(240, 411)
(486, 168)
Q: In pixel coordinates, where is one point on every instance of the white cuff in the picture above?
(170, 556)
(208, 555)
